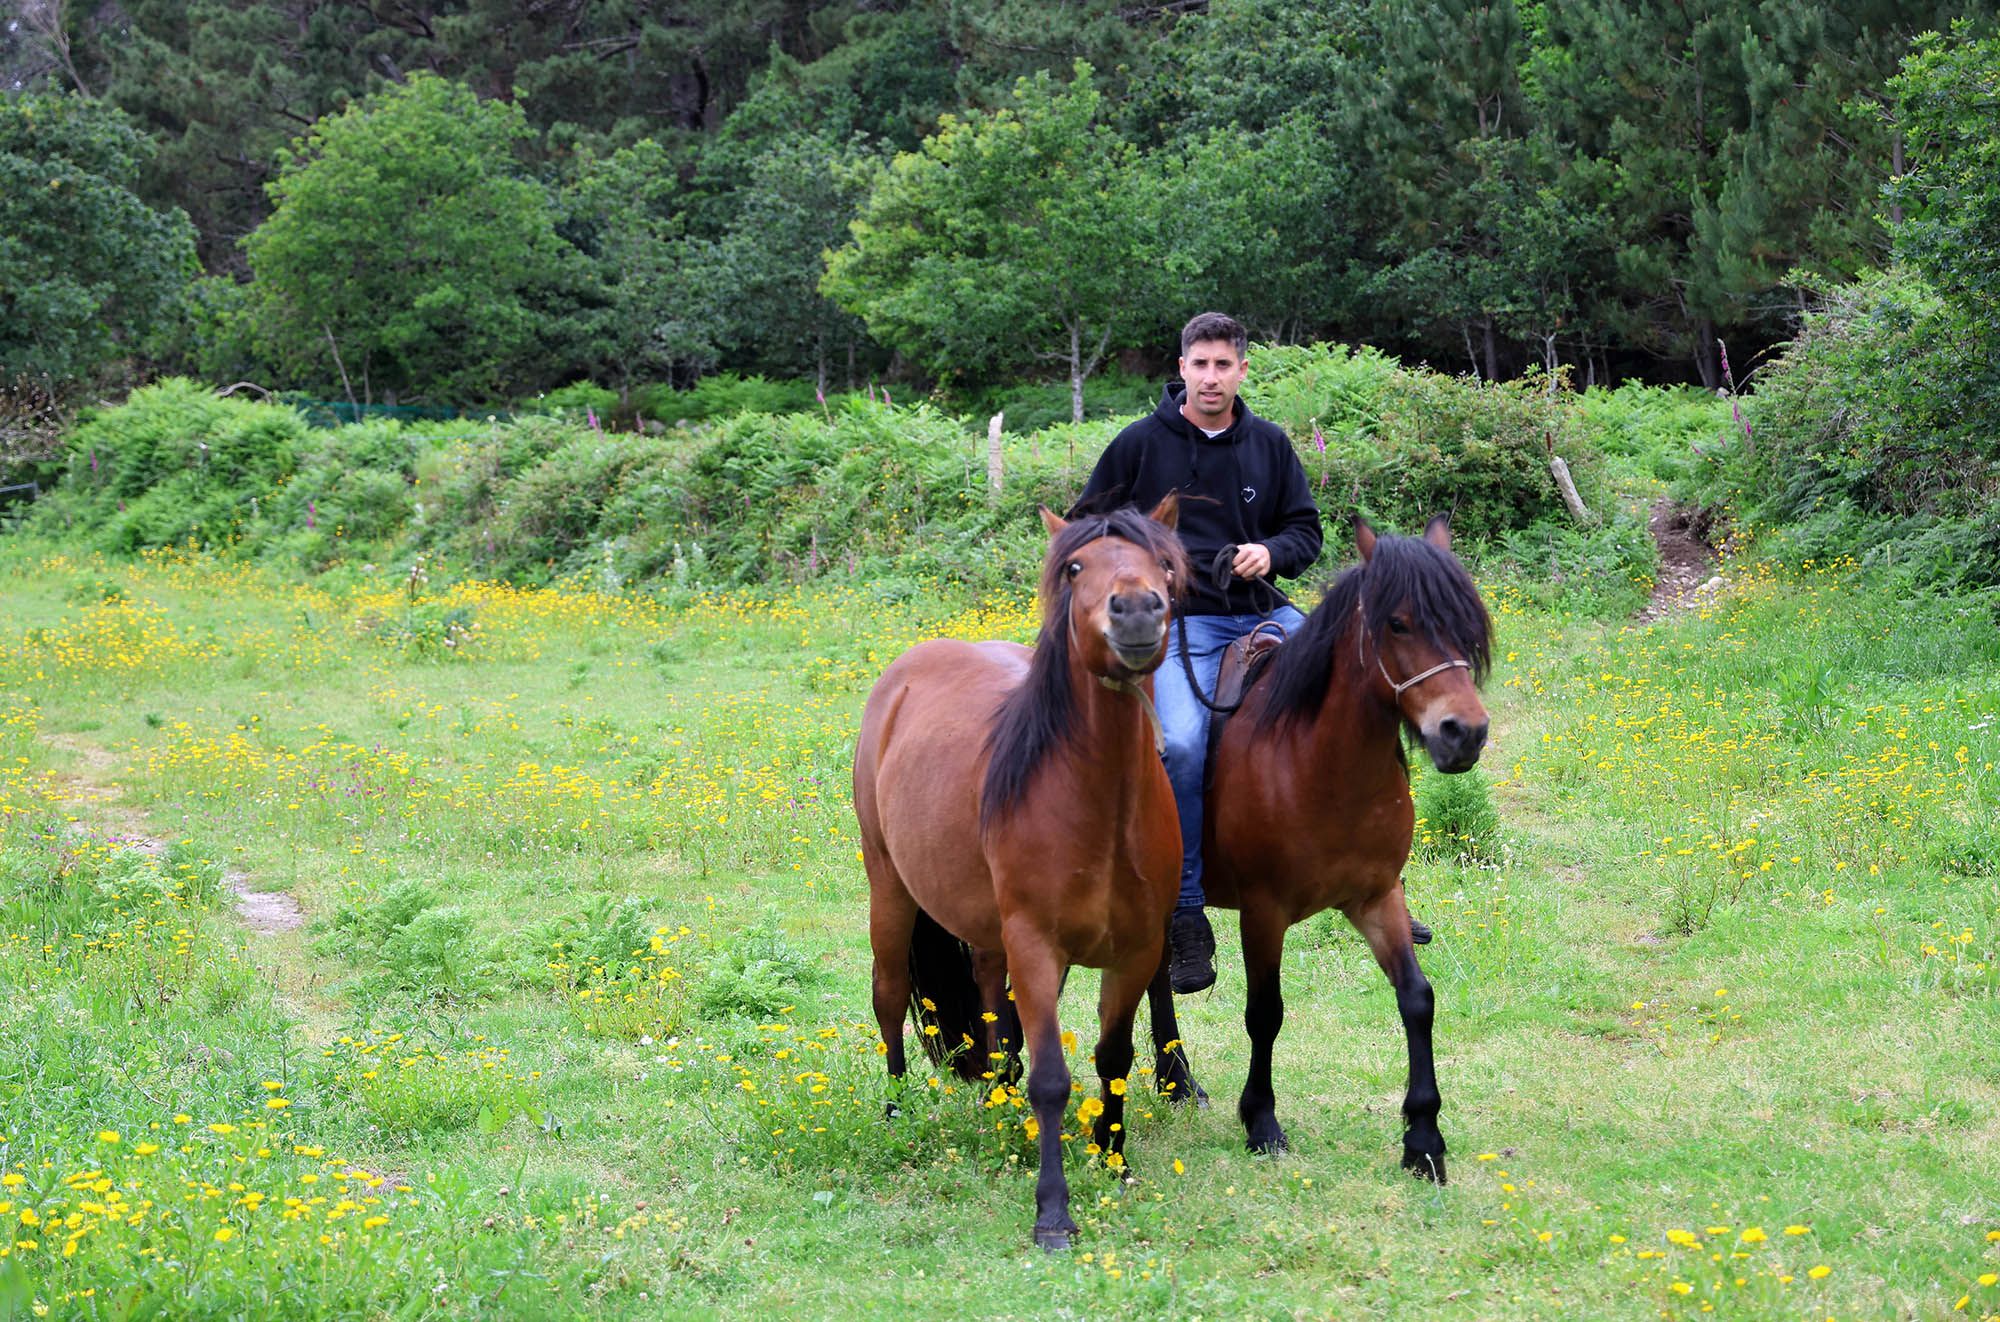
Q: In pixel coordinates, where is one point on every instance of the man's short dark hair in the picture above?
(1214, 326)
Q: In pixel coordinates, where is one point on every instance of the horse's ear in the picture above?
(1438, 532)
(1364, 538)
(1168, 511)
(1053, 521)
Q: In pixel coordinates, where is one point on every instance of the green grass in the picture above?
(1728, 959)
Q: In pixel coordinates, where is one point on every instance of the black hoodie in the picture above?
(1243, 486)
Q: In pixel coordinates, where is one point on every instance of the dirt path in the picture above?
(96, 799)
(1686, 564)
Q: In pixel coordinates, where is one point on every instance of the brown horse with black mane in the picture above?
(1016, 820)
(1310, 805)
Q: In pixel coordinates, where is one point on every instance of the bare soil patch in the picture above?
(1686, 562)
(266, 913)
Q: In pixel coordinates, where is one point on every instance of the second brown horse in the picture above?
(1016, 820)
(1310, 804)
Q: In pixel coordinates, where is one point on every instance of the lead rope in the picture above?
(1145, 700)
(1219, 574)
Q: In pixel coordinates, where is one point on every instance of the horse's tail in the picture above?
(944, 997)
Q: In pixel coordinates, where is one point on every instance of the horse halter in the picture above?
(1361, 659)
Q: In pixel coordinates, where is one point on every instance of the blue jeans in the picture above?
(1184, 720)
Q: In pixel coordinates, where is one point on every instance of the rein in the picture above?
(1220, 574)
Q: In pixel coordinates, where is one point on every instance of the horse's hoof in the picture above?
(1175, 1082)
(1424, 1165)
(1052, 1239)
(892, 1112)
(1269, 1140)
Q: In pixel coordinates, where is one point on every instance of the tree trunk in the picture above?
(1704, 354)
(1895, 172)
(1075, 372)
(1492, 350)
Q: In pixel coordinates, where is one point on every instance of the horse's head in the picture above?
(1428, 635)
(1114, 575)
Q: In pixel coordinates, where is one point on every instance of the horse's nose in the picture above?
(1460, 735)
(1134, 608)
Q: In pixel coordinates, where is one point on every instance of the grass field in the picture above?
(577, 1022)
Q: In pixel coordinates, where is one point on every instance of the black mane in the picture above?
(1442, 602)
(1040, 715)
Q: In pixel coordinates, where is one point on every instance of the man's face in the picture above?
(1214, 372)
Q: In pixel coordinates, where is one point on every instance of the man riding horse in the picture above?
(1246, 517)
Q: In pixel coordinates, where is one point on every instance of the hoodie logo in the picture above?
(1249, 494)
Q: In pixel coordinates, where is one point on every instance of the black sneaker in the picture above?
(1192, 967)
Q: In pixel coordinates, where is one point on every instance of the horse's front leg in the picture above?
(1037, 971)
(1117, 1007)
(1263, 1016)
(1172, 1074)
(1386, 924)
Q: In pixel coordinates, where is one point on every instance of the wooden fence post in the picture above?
(993, 460)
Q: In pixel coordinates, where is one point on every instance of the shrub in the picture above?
(1456, 816)
(723, 395)
(1034, 405)
(1866, 439)
(756, 975)
(1400, 445)
(577, 400)
(409, 944)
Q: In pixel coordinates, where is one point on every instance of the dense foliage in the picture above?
(857, 489)
(1874, 435)
(1605, 186)
(88, 271)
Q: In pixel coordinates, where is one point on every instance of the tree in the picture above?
(1262, 225)
(406, 249)
(1949, 93)
(88, 272)
(1009, 236)
(803, 192)
(645, 307)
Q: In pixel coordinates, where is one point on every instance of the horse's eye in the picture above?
(1396, 626)
(1075, 568)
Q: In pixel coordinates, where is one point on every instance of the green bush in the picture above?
(1456, 819)
(1865, 439)
(173, 462)
(723, 395)
(1655, 431)
(1400, 445)
(857, 489)
(1605, 569)
(407, 944)
(1032, 406)
(605, 938)
(756, 975)
(576, 400)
